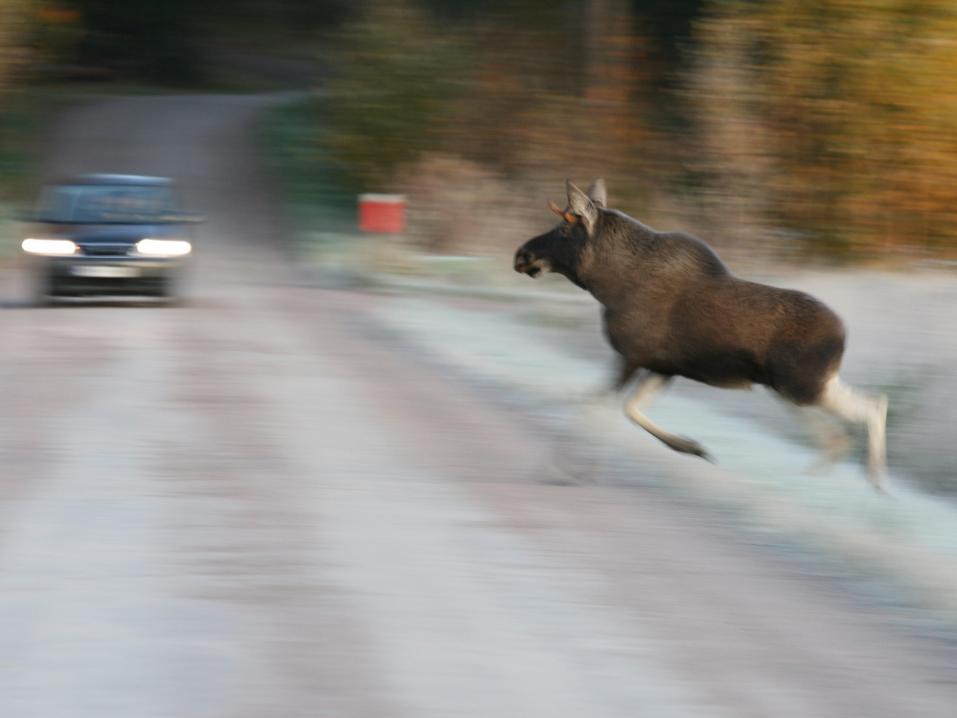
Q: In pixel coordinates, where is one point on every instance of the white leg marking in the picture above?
(851, 405)
(830, 436)
(648, 388)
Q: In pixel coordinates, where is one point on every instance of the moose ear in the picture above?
(581, 204)
(598, 193)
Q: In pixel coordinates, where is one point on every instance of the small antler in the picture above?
(563, 213)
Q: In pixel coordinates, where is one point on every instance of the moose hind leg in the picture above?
(649, 387)
(830, 437)
(855, 407)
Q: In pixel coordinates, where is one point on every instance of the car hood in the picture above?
(114, 233)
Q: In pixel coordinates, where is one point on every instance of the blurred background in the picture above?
(351, 474)
(821, 130)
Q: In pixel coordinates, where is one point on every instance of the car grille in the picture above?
(103, 249)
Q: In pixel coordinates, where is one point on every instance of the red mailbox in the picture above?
(382, 213)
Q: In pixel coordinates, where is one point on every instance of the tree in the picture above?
(840, 116)
(396, 75)
(14, 22)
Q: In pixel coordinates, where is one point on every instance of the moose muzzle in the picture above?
(526, 263)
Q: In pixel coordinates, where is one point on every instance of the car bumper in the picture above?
(108, 276)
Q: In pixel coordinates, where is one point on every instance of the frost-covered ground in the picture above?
(549, 354)
(902, 341)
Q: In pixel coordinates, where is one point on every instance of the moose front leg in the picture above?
(648, 388)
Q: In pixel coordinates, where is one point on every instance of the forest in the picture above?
(820, 128)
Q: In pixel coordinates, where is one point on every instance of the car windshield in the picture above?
(105, 203)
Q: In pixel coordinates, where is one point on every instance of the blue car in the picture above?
(108, 235)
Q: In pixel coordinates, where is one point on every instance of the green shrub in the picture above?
(396, 76)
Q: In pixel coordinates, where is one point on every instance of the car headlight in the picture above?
(49, 247)
(163, 247)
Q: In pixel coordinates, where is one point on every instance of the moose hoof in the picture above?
(689, 446)
(876, 471)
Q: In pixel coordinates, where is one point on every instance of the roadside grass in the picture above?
(315, 197)
(320, 204)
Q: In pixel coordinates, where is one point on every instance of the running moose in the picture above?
(672, 308)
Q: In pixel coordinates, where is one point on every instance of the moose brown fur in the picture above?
(672, 308)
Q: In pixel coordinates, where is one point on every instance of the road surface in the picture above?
(266, 503)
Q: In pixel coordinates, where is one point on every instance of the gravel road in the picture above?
(264, 503)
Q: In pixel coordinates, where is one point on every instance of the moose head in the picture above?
(559, 250)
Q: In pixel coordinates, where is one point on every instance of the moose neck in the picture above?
(566, 259)
(614, 262)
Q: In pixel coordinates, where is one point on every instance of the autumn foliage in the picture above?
(835, 120)
(825, 127)
(821, 127)
(14, 23)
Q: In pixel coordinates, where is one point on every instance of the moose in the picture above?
(672, 308)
